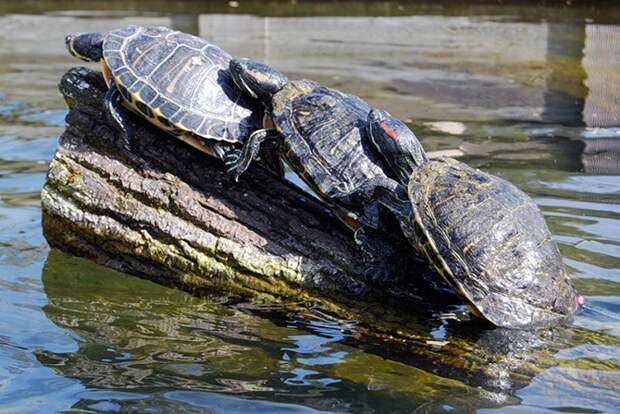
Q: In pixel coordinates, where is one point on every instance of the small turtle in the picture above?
(484, 236)
(319, 133)
(176, 81)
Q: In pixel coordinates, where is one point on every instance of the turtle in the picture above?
(319, 133)
(178, 82)
(485, 237)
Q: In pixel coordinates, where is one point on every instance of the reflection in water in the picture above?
(565, 91)
(601, 156)
(149, 340)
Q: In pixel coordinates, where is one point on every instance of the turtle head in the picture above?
(396, 143)
(85, 46)
(256, 79)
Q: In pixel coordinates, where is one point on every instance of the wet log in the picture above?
(169, 213)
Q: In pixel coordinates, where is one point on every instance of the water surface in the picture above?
(530, 93)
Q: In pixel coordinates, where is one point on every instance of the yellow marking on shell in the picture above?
(195, 141)
(155, 121)
(435, 259)
(180, 73)
(476, 312)
(139, 58)
(107, 73)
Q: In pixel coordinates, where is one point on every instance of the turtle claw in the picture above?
(231, 159)
(232, 163)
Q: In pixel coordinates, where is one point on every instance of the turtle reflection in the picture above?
(138, 335)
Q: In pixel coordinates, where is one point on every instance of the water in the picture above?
(524, 91)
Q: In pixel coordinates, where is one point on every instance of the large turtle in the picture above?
(177, 81)
(483, 235)
(320, 133)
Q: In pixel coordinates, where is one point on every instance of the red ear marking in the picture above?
(388, 130)
(257, 75)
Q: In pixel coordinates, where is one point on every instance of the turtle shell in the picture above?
(323, 139)
(489, 240)
(179, 82)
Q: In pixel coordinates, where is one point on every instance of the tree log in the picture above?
(169, 213)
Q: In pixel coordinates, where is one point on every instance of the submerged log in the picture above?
(169, 213)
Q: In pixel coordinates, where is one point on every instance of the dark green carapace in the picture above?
(178, 82)
(484, 236)
(489, 240)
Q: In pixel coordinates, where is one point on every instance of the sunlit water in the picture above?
(529, 93)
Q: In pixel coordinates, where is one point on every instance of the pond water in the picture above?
(528, 92)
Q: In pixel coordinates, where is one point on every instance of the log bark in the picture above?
(169, 213)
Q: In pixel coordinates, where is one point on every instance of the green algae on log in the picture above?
(169, 213)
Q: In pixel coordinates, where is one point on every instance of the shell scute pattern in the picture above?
(136, 86)
(115, 62)
(192, 121)
(504, 262)
(182, 79)
(126, 79)
(164, 121)
(324, 141)
(168, 109)
(157, 103)
(148, 94)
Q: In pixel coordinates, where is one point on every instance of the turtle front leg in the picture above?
(382, 190)
(239, 161)
(119, 115)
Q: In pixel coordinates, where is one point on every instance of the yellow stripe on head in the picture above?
(72, 51)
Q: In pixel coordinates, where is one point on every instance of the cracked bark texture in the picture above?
(169, 213)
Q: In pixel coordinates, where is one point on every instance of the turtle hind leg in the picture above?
(239, 161)
(119, 115)
(385, 263)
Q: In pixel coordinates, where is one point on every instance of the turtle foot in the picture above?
(381, 257)
(234, 163)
